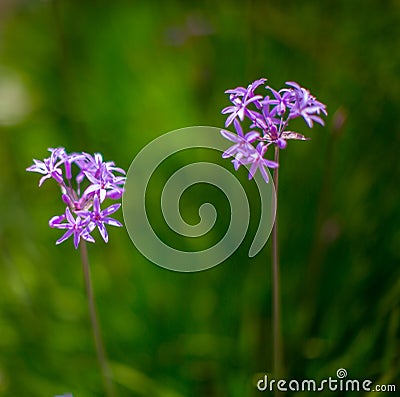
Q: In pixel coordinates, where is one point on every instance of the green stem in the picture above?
(276, 306)
(101, 353)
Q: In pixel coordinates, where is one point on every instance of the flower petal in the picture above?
(88, 237)
(230, 151)
(111, 209)
(55, 222)
(69, 216)
(43, 178)
(66, 235)
(112, 222)
(264, 173)
(253, 170)
(77, 237)
(103, 231)
(231, 137)
(96, 204)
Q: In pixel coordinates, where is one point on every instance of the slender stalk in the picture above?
(101, 353)
(276, 305)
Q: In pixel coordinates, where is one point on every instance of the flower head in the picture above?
(269, 117)
(83, 211)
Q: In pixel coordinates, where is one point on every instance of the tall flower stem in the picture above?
(276, 305)
(101, 353)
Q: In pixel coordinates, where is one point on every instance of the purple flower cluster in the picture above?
(83, 194)
(269, 117)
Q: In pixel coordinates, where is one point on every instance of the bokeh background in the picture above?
(110, 77)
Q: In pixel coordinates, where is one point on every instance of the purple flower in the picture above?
(49, 167)
(269, 118)
(246, 92)
(303, 104)
(243, 144)
(239, 108)
(281, 102)
(75, 227)
(97, 169)
(100, 217)
(241, 98)
(258, 162)
(99, 186)
(101, 175)
(103, 180)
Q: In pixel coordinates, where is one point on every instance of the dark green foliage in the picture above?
(112, 76)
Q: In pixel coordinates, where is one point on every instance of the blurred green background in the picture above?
(110, 77)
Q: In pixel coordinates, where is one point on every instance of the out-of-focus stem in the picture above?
(276, 306)
(101, 353)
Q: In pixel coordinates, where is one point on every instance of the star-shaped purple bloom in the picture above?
(303, 104)
(97, 168)
(280, 102)
(239, 108)
(246, 92)
(102, 178)
(100, 217)
(243, 144)
(258, 162)
(79, 227)
(49, 167)
(242, 97)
